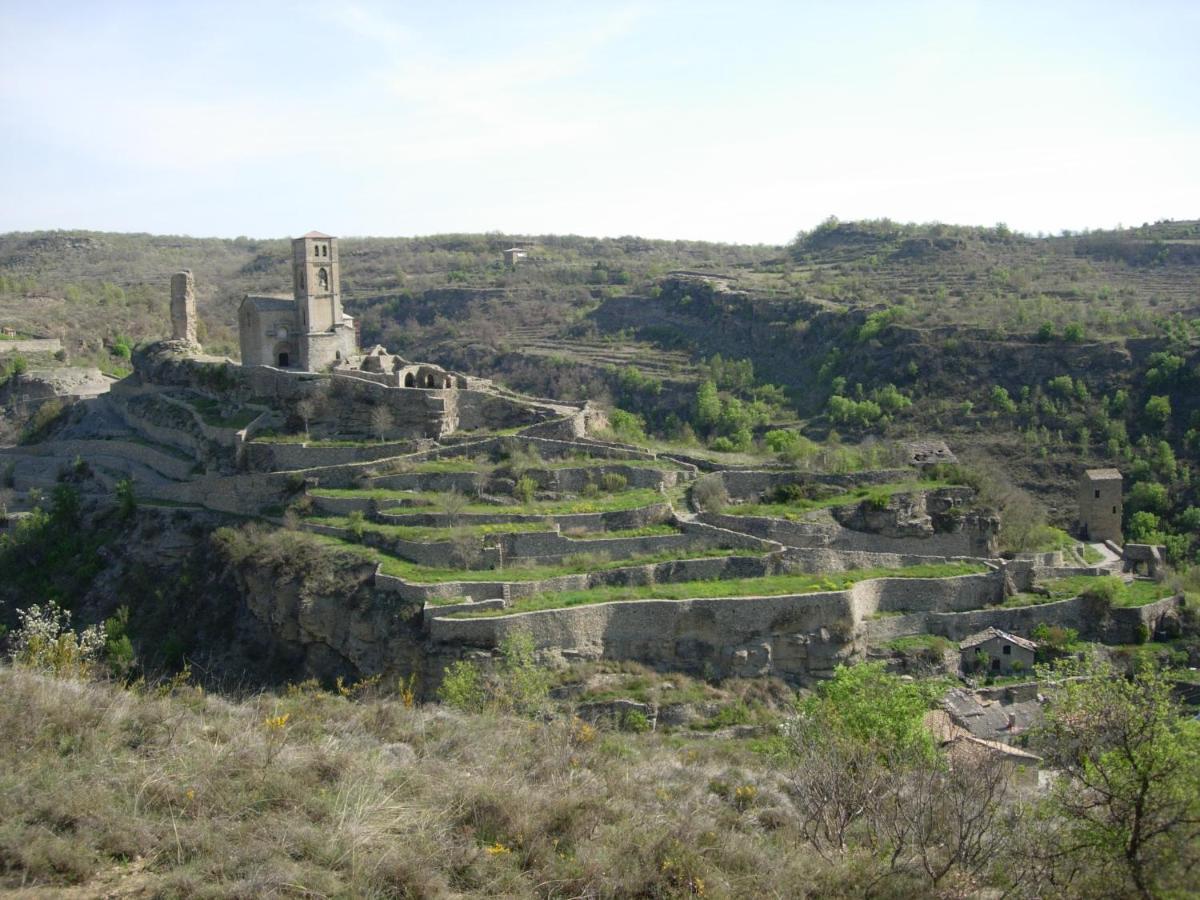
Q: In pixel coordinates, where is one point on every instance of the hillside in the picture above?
(709, 609)
(870, 328)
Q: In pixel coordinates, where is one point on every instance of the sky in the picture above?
(744, 122)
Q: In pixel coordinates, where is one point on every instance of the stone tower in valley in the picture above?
(309, 330)
(1100, 505)
(316, 282)
(183, 307)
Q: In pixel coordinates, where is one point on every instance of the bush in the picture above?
(1104, 590)
(709, 494)
(462, 687)
(45, 641)
(524, 488)
(612, 482)
(1158, 410)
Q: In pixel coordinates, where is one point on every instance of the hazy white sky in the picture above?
(727, 121)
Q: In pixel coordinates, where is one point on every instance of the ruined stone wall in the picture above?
(113, 452)
(608, 521)
(796, 637)
(831, 535)
(269, 456)
(742, 484)
(1093, 622)
(819, 560)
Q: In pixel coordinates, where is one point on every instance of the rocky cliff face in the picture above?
(335, 625)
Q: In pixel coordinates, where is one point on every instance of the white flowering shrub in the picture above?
(46, 641)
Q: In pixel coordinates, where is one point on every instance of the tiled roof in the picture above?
(1103, 474)
(317, 234)
(269, 303)
(987, 634)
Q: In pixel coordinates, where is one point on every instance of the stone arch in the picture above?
(429, 379)
(284, 355)
(323, 278)
(449, 383)
(410, 380)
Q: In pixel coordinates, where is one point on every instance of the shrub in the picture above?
(1104, 590)
(524, 488)
(613, 482)
(126, 498)
(1158, 410)
(45, 641)
(709, 494)
(462, 687)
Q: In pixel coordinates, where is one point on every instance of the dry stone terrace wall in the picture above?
(605, 521)
(796, 637)
(829, 534)
(703, 569)
(820, 560)
(1113, 626)
(170, 467)
(270, 456)
(743, 484)
(786, 636)
(545, 547)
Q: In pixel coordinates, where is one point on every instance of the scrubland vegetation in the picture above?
(363, 790)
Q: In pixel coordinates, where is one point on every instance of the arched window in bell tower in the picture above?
(323, 279)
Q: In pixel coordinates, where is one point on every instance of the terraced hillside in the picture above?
(197, 499)
(871, 330)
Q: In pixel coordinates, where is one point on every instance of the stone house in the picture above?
(309, 330)
(963, 748)
(512, 254)
(1005, 653)
(1100, 505)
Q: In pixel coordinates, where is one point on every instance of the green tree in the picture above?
(868, 705)
(1129, 798)
(1158, 410)
(708, 406)
(1149, 495)
(1001, 401)
(1143, 528)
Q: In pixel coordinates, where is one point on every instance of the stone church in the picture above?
(309, 330)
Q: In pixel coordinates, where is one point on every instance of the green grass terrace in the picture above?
(619, 502)
(577, 564)
(1121, 594)
(877, 494)
(766, 586)
(429, 533)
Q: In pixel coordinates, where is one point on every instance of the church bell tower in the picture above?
(315, 281)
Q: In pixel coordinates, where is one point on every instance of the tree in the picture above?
(1158, 410)
(306, 409)
(708, 406)
(1129, 798)
(381, 421)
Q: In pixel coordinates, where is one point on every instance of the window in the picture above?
(1114, 510)
(1007, 650)
(323, 279)
(1097, 493)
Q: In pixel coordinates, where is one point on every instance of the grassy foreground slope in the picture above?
(171, 791)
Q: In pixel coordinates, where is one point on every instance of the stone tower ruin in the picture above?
(183, 307)
(1100, 505)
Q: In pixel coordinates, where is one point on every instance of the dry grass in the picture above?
(190, 794)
